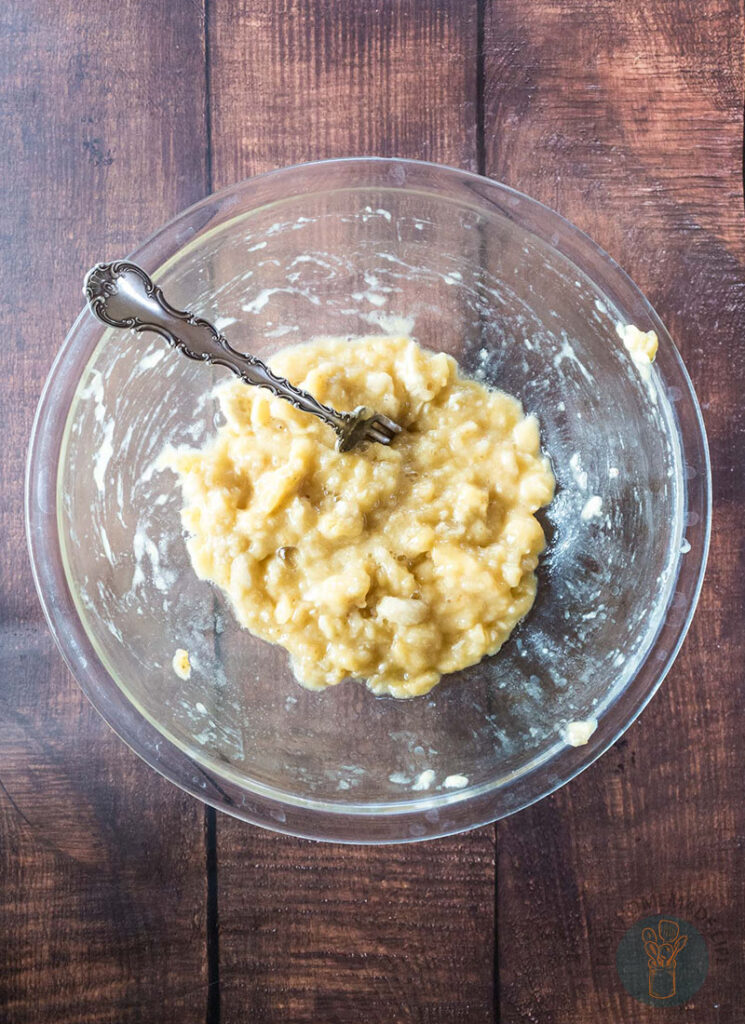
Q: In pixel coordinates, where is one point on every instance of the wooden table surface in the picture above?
(124, 900)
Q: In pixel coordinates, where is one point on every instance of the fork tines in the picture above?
(381, 429)
(365, 425)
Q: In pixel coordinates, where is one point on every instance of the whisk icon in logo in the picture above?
(662, 961)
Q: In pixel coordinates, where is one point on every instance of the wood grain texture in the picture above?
(628, 119)
(102, 863)
(299, 80)
(313, 933)
(329, 933)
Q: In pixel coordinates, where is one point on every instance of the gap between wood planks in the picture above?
(212, 915)
(212, 918)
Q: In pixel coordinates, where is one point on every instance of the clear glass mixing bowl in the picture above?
(525, 302)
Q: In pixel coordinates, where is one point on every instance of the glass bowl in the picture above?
(526, 303)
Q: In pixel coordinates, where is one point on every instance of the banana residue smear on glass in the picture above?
(393, 565)
(641, 346)
(577, 734)
(181, 664)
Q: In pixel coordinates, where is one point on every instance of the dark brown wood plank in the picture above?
(311, 79)
(102, 863)
(627, 118)
(316, 932)
(313, 932)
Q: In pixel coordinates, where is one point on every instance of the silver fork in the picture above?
(121, 294)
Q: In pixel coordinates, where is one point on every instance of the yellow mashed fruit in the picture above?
(393, 565)
(181, 664)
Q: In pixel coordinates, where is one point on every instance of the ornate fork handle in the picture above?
(121, 294)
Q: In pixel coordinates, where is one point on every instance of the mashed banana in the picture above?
(392, 565)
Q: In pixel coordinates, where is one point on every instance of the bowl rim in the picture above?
(404, 821)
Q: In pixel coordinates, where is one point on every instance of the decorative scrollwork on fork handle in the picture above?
(121, 294)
